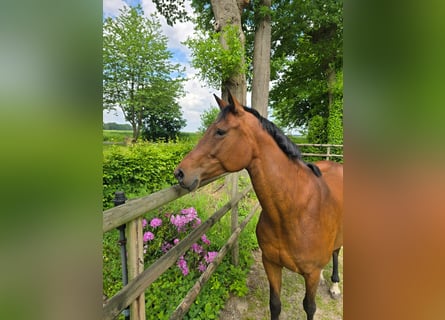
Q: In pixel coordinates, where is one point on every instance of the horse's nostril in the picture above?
(179, 174)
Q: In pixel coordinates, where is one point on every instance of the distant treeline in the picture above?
(116, 126)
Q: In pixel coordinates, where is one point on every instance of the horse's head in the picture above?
(225, 147)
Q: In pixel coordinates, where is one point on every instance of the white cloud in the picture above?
(176, 34)
(198, 98)
(111, 7)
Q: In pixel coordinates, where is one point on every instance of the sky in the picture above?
(198, 97)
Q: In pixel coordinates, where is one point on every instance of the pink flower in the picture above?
(190, 212)
(148, 236)
(144, 223)
(211, 256)
(197, 222)
(202, 267)
(196, 248)
(155, 222)
(182, 264)
(176, 241)
(181, 220)
(205, 239)
(166, 246)
(178, 221)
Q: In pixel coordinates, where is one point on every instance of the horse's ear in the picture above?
(237, 107)
(221, 103)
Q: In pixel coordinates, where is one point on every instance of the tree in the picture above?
(208, 117)
(137, 70)
(334, 126)
(217, 21)
(306, 52)
(163, 117)
(217, 63)
(261, 56)
(307, 57)
(221, 20)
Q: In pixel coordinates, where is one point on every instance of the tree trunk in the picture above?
(261, 59)
(229, 12)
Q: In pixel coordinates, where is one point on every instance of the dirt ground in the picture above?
(255, 305)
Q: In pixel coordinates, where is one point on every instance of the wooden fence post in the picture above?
(234, 217)
(119, 199)
(328, 152)
(136, 264)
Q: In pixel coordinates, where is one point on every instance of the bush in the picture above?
(140, 168)
(317, 130)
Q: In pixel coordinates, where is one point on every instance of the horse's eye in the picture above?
(220, 132)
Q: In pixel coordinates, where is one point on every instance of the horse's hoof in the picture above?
(334, 291)
(334, 295)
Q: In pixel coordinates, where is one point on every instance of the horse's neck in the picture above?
(276, 178)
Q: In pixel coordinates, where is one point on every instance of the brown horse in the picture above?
(300, 225)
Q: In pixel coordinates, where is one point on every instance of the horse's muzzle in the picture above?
(180, 175)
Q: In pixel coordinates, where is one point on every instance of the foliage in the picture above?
(334, 126)
(317, 130)
(140, 168)
(163, 119)
(216, 63)
(208, 117)
(137, 72)
(172, 10)
(307, 42)
(116, 126)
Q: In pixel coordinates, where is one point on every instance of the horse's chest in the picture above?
(287, 245)
(274, 243)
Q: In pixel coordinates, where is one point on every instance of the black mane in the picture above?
(285, 144)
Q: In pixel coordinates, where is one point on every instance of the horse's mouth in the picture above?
(192, 187)
(184, 180)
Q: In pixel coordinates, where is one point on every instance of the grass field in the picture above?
(116, 136)
(120, 136)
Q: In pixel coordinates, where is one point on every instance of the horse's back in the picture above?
(332, 173)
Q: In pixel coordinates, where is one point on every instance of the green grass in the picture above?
(299, 139)
(121, 136)
(116, 136)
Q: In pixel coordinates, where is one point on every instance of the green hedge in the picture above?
(141, 168)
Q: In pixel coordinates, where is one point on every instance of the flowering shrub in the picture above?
(163, 233)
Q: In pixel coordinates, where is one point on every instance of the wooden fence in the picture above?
(131, 214)
(328, 147)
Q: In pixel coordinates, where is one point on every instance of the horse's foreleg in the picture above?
(335, 290)
(273, 272)
(311, 282)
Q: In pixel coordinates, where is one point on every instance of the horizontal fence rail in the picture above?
(114, 217)
(326, 155)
